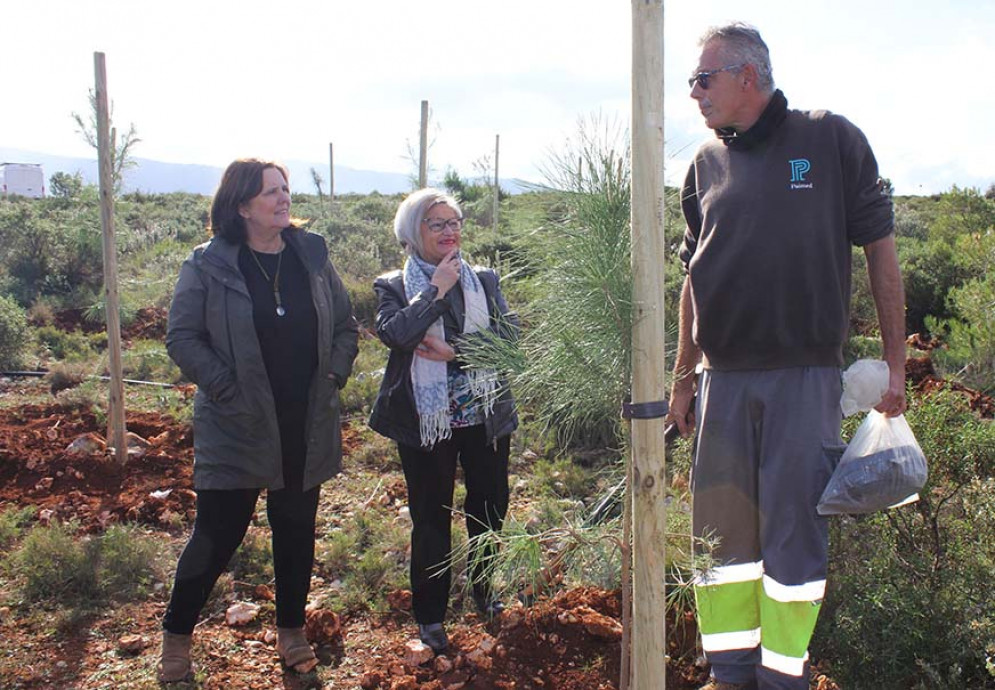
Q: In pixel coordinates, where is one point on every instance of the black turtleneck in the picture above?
(769, 120)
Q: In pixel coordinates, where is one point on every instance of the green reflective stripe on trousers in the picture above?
(728, 608)
(788, 626)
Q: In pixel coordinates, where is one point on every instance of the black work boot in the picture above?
(434, 635)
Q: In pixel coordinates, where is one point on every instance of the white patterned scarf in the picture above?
(429, 378)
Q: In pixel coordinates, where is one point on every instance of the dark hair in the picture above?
(242, 180)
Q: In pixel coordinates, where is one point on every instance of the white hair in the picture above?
(741, 43)
(411, 213)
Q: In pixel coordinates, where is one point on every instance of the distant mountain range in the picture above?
(158, 178)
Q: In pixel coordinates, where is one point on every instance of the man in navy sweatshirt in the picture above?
(773, 205)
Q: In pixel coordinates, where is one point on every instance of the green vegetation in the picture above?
(253, 560)
(13, 523)
(909, 601)
(58, 569)
(910, 598)
(13, 333)
(365, 557)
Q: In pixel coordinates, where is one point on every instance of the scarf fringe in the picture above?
(484, 386)
(434, 427)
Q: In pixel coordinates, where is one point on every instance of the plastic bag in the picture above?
(864, 383)
(883, 466)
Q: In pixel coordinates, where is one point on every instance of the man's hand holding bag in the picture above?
(883, 465)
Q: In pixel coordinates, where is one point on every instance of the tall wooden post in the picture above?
(423, 148)
(331, 175)
(497, 184)
(647, 464)
(105, 158)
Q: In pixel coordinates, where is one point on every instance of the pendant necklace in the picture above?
(280, 311)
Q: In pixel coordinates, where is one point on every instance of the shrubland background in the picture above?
(910, 601)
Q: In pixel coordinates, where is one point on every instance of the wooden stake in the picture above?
(331, 176)
(423, 148)
(497, 185)
(647, 465)
(105, 157)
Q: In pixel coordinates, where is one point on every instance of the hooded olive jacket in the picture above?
(212, 338)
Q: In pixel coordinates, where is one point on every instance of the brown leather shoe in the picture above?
(175, 664)
(294, 649)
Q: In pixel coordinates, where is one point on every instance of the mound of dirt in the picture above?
(41, 465)
(571, 641)
(922, 374)
(149, 323)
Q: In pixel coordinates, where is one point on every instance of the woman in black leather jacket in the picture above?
(438, 411)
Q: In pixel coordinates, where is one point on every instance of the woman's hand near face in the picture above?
(435, 349)
(446, 273)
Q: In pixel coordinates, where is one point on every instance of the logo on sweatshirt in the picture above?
(800, 167)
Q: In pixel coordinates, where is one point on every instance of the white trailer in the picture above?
(23, 179)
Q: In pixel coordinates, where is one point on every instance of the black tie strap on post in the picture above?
(645, 410)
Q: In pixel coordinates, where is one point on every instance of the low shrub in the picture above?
(13, 523)
(147, 360)
(70, 346)
(361, 390)
(368, 554)
(253, 560)
(13, 333)
(58, 567)
(909, 602)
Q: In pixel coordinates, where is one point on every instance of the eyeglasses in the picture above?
(437, 225)
(701, 78)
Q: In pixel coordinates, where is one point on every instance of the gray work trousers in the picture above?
(767, 443)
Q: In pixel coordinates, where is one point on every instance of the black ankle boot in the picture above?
(487, 604)
(434, 635)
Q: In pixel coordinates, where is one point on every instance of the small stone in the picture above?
(487, 644)
(480, 659)
(417, 653)
(454, 680)
(442, 664)
(131, 644)
(241, 613)
(372, 680)
(399, 600)
(87, 444)
(511, 618)
(322, 626)
(405, 683)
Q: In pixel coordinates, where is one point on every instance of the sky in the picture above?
(209, 81)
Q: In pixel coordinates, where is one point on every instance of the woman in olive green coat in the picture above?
(261, 322)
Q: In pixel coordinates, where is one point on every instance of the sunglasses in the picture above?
(701, 78)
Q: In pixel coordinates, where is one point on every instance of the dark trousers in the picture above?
(222, 520)
(223, 516)
(431, 476)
